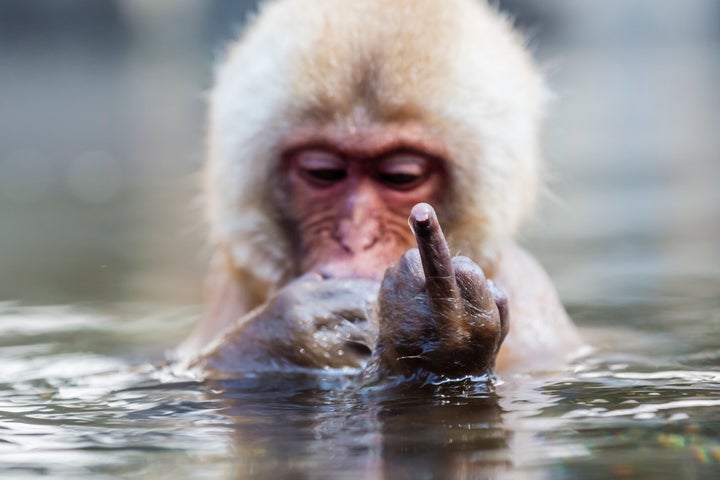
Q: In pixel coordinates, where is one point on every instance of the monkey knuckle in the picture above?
(462, 260)
(411, 257)
(468, 270)
(405, 278)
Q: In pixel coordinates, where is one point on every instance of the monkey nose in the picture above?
(357, 237)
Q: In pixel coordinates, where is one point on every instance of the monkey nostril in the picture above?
(369, 241)
(358, 237)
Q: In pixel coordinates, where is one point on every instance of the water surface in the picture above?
(83, 394)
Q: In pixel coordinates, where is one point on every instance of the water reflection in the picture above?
(290, 426)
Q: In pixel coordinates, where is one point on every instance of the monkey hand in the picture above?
(310, 323)
(439, 317)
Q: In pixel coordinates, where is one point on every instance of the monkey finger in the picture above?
(471, 283)
(501, 300)
(410, 269)
(436, 260)
(405, 279)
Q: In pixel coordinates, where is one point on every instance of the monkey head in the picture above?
(330, 119)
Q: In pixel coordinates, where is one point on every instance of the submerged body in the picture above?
(330, 122)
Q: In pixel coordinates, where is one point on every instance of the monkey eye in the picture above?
(320, 167)
(403, 171)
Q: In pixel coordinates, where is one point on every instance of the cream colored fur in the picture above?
(455, 66)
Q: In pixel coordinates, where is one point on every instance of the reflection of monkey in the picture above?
(329, 122)
(343, 431)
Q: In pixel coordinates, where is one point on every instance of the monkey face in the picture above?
(348, 206)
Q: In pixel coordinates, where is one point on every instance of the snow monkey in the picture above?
(331, 122)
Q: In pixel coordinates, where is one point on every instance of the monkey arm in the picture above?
(309, 324)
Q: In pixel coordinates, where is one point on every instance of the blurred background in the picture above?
(101, 139)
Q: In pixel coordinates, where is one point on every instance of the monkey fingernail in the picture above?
(421, 214)
(422, 220)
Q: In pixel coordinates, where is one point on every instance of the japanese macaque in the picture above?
(332, 122)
